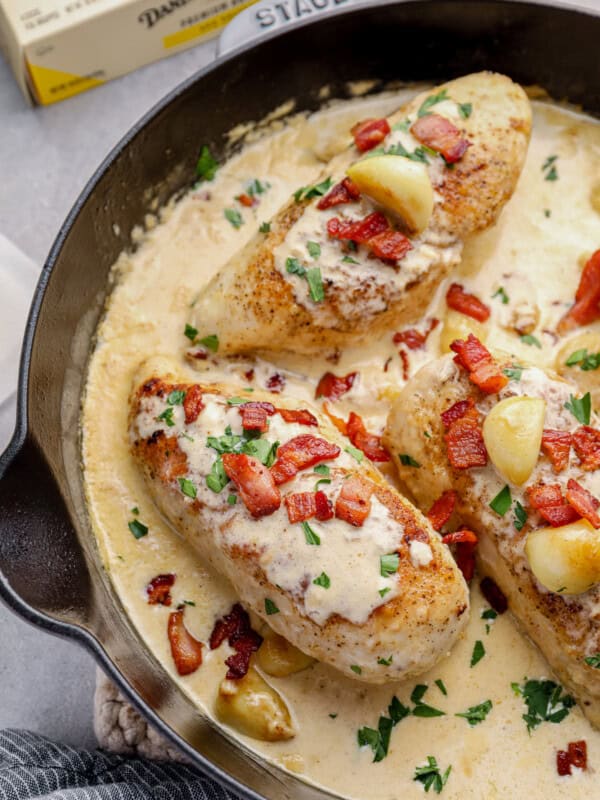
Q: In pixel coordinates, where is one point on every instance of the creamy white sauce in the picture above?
(528, 253)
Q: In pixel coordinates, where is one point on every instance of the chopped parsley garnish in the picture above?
(167, 417)
(465, 110)
(430, 101)
(385, 662)
(520, 516)
(383, 592)
(379, 740)
(333, 716)
(315, 284)
(211, 342)
(502, 502)
(322, 469)
(549, 169)
(190, 332)
(421, 709)
(440, 684)
(547, 212)
(236, 401)
(176, 397)
(476, 714)
(593, 661)
(256, 187)
(232, 499)
(397, 711)
(501, 293)
(357, 455)
(323, 580)
(270, 607)
(430, 775)
(137, 528)
(247, 443)
(514, 373)
(527, 338)
(586, 361)
(316, 190)
(217, 479)
(545, 702)
(135, 510)
(419, 154)
(234, 217)
(489, 613)
(418, 692)
(265, 227)
(187, 487)
(478, 652)
(310, 536)
(388, 565)
(320, 481)
(206, 166)
(349, 260)
(355, 668)
(408, 461)
(314, 249)
(189, 603)
(294, 267)
(262, 449)
(402, 126)
(580, 407)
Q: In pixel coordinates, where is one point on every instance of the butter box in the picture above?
(58, 48)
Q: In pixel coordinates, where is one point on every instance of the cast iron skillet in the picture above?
(50, 570)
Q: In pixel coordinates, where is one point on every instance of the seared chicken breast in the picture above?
(313, 539)
(523, 464)
(345, 258)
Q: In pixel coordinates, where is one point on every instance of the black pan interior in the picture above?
(49, 567)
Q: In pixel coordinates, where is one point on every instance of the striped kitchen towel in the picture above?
(32, 766)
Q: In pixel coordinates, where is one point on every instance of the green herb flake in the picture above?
(211, 342)
(236, 401)
(418, 693)
(187, 487)
(234, 217)
(586, 361)
(532, 341)
(176, 397)
(408, 461)
(385, 662)
(206, 166)
(316, 190)
(315, 284)
(514, 373)
(256, 187)
(593, 661)
(388, 565)
(502, 502)
(265, 227)
(549, 169)
(189, 603)
(357, 455)
(314, 249)
(320, 481)
(425, 711)
(270, 607)
(397, 710)
(135, 511)
(383, 592)
(580, 407)
(190, 332)
(402, 126)
(262, 449)
(430, 101)
(501, 293)
(137, 528)
(465, 110)
(322, 469)
(489, 613)
(310, 536)
(323, 580)
(167, 417)
(349, 260)
(430, 776)
(440, 684)
(547, 212)
(476, 714)
(478, 652)
(333, 716)
(232, 499)
(356, 669)
(545, 702)
(520, 516)
(294, 267)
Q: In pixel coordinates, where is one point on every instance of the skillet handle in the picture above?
(261, 18)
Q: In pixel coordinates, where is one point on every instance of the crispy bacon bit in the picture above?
(583, 502)
(483, 370)
(299, 453)
(575, 756)
(353, 504)
(465, 542)
(587, 297)
(246, 200)
(302, 416)
(276, 383)
(465, 445)
(405, 364)
(441, 135)
(158, 590)
(345, 192)
(235, 627)
(192, 404)
(333, 386)
(441, 511)
(390, 245)
(236, 622)
(369, 133)
(563, 763)
(466, 303)
(249, 375)
(324, 509)
(359, 231)
(458, 410)
(586, 441)
(369, 443)
(463, 536)
(185, 649)
(254, 416)
(300, 506)
(494, 595)
(254, 482)
(413, 338)
(557, 445)
(339, 423)
(549, 501)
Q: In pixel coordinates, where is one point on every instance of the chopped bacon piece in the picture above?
(300, 506)
(369, 133)
(494, 595)
(558, 516)
(463, 536)
(158, 590)
(586, 441)
(237, 621)
(353, 504)
(369, 443)
(466, 303)
(441, 511)
(324, 509)
(299, 453)
(254, 481)
(359, 231)
(458, 410)
(254, 416)
(587, 297)
(246, 200)
(345, 192)
(583, 502)
(275, 383)
(249, 375)
(185, 649)
(557, 445)
(441, 135)
(334, 386)
(483, 370)
(549, 501)
(563, 763)
(192, 404)
(405, 364)
(465, 445)
(578, 754)
(302, 416)
(390, 245)
(235, 627)
(339, 423)
(413, 338)
(465, 542)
